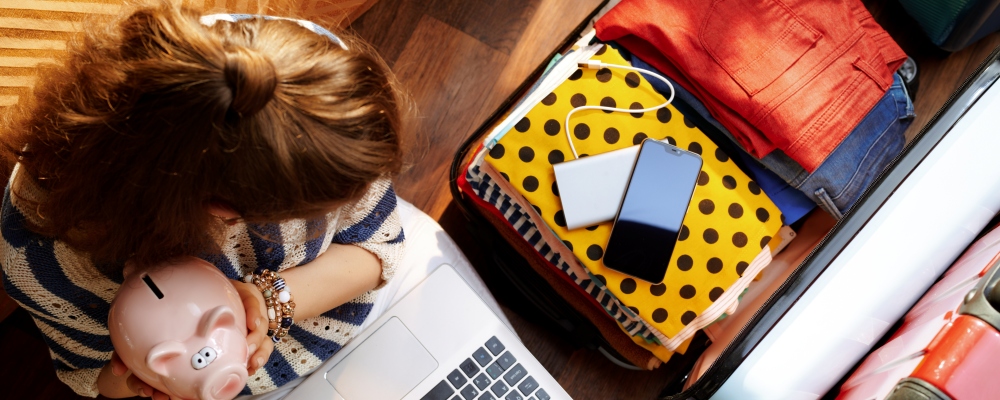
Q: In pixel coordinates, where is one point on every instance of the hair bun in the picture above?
(252, 80)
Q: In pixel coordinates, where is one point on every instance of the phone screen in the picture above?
(652, 211)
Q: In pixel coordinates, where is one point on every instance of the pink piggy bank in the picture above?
(181, 328)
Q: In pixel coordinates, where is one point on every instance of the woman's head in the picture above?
(158, 115)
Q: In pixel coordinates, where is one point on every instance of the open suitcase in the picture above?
(841, 287)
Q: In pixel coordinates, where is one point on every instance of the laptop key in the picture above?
(506, 360)
(487, 396)
(469, 392)
(514, 395)
(481, 381)
(482, 357)
(515, 375)
(457, 397)
(542, 395)
(456, 379)
(441, 391)
(499, 389)
(494, 370)
(494, 345)
(469, 367)
(529, 385)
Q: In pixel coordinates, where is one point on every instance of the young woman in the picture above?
(250, 142)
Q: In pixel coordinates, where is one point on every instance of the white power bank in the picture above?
(591, 188)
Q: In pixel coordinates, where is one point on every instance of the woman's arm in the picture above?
(342, 273)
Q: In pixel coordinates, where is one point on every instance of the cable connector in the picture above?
(591, 64)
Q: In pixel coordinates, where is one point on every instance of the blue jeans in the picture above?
(841, 179)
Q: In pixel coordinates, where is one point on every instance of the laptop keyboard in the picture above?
(491, 373)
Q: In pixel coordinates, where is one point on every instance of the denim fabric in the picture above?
(839, 181)
(793, 204)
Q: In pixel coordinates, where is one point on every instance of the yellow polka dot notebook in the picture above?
(728, 226)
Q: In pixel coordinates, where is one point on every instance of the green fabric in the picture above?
(937, 17)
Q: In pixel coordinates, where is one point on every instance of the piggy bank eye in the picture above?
(203, 357)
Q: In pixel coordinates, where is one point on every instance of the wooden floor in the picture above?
(458, 60)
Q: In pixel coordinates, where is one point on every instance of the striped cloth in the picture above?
(69, 298)
(484, 187)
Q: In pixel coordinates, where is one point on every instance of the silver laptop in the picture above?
(439, 342)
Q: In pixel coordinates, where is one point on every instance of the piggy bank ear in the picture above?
(216, 318)
(159, 357)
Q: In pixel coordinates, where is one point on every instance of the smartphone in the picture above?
(652, 210)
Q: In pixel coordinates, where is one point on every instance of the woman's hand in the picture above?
(259, 345)
(116, 381)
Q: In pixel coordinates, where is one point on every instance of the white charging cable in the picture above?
(595, 64)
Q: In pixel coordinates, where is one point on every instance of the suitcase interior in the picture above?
(820, 241)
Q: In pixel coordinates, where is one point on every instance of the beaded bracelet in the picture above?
(278, 300)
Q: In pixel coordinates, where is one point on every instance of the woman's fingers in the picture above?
(118, 367)
(139, 387)
(258, 359)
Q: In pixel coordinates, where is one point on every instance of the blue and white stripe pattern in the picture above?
(69, 298)
(484, 187)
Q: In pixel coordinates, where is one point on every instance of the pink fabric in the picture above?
(795, 75)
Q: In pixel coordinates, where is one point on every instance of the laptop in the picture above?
(439, 342)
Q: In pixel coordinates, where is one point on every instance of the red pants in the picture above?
(795, 75)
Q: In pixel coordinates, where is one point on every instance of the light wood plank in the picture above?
(41, 44)
(60, 6)
(7, 100)
(40, 24)
(25, 81)
(24, 62)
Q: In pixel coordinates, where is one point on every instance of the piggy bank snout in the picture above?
(224, 383)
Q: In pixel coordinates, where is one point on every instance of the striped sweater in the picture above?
(69, 298)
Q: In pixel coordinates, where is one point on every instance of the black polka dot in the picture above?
(634, 310)
(729, 182)
(721, 155)
(763, 215)
(581, 131)
(551, 127)
(555, 189)
(601, 50)
(735, 210)
(636, 106)
(688, 122)
(628, 285)
(695, 148)
(710, 236)
(702, 178)
(688, 317)
(523, 125)
(663, 115)
(611, 135)
(638, 138)
(688, 291)
(497, 151)
(658, 289)
(781, 217)
(526, 154)
(576, 75)
(592, 228)
(632, 79)
(604, 281)
(671, 140)
(505, 176)
(559, 218)
(578, 100)
(714, 265)
(604, 75)
(659, 315)
(764, 241)
(741, 267)
(684, 262)
(569, 245)
(740, 239)
(550, 99)
(715, 293)
(753, 187)
(556, 157)
(608, 102)
(584, 155)
(537, 210)
(683, 234)
(530, 183)
(595, 252)
(706, 206)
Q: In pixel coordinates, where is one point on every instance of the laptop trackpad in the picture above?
(387, 365)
